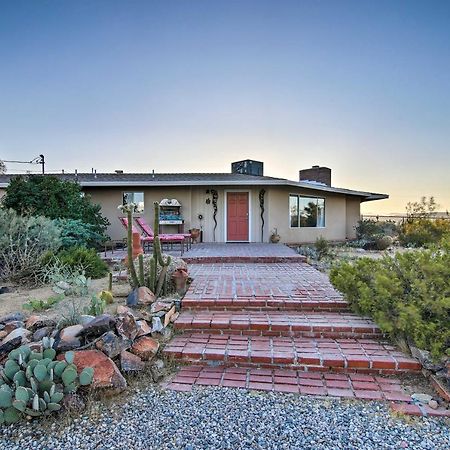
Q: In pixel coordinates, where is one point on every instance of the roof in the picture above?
(195, 179)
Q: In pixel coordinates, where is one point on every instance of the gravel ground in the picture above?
(219, 418)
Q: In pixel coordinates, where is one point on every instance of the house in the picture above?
(241, 206)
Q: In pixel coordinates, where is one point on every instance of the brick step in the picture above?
(346, 386)
(243, 259)
(279, 323)
(262, 304)
(308, 354)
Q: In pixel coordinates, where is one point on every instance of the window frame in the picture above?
(299, 227)
(135, 192)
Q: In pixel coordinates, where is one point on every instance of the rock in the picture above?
(143, 328)
(36, 346)
(5, 290)
(71, 331)
(168, 316)
(13, 325)
(3, 334)
(12, 317)
(425, 359)
(145, 296)
(99, 325)
(6, 347)
(433, 404)
(126, 326)
(145, 347)
(112, 345)
(174, 317)
(130, 362)
(123, 310)
(73, 402)
(67, 344)
(63, 286)
(161, 306)
(422, 398)
(106, 374)
(41, 332)
(18, 332)
(167, 333)
(85, 319)
(34, 322)
(132, 299)
(157, 325)
(157, 370)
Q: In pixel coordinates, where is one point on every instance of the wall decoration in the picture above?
(261, 205)
(215, 196)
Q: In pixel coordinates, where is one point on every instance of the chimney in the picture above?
(316, 174)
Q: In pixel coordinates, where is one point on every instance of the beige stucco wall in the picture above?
(341, 212)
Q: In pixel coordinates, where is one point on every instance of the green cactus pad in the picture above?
(53, 407)
(32, 412)
(52, 365)
(20, 405)
(46, 385)
(2, 417)
(20, 379)
(22, 394)
(86, 376)
(59, 368)
(33, 363)
(69, 356)
(42, 404)
(11, 368)
(36, 402)
(33, 384)
(40, 372)
(46, 397)
(35, 355)
(11, 415)
(69, 376)
(56, 397)
(70, 388)
(5, 396)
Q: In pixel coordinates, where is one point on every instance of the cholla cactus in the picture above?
(34, 383)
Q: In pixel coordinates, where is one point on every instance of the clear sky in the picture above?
(360, 86)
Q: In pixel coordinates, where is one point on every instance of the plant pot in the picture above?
(275, 238)
(195, 234)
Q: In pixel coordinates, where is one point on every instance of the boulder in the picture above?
(132, 299)
(161, 306)
(99, 325)
(16, 316)
(13, 325)
(69, 338)
(126, 326)
(18, 332)
(34, 322)
(168, 316)
(107, 376)
(3, 334)
(41, 333)
(426, 360)
(71, 331)
(157, 325)
(143, 328)
(145, 347)
(6, 347)
(422, 398)
(145, 296)
(85, 319)
(130, 362)
(157, 370)
(123, 310)
(112, 345)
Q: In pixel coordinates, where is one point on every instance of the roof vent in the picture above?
(316, 174)
(248, 167)
(118, 171)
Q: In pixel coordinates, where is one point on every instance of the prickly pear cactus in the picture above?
(34, 383)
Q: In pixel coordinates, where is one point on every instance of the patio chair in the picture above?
(145, 240)
(165, 238)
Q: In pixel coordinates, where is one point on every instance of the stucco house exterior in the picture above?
(240, 206)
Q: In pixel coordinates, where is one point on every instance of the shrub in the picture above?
(42, 305)
(44, 195)
(384, 242)
(322, 247)
(23, 242)
(407, 295)
(84, 260)
(419, 232)
(76, 233)
(34, 383)
(96, 307)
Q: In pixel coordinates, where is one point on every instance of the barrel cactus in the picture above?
(34, 383)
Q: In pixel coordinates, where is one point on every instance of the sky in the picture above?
(362, 87)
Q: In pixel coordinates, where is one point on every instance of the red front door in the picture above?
(237, 216)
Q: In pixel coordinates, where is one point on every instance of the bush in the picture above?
(84, 260)
(44, 195)
(23, 242)
(42, 305)
(407, 295)
(76, 233)
(419, 232)
(322, 247)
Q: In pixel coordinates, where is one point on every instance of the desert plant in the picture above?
(407, 294)
(34, 383)
(85, 260)
(322, 247)
(42, 305)
(76, 233)
(23, 242)
(96, 307)
(49, 196)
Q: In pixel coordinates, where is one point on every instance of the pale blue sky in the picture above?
(180, 86)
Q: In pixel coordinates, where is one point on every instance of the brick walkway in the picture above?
(280, 326)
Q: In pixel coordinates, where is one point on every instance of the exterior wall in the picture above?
(339, 219)
(341, 212)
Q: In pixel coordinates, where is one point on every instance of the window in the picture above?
(134, 197)
(306, 211)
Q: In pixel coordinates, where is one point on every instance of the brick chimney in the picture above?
(317, 174)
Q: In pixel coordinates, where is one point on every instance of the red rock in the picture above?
(130, 362)
(70, 332)
(126, 326)
(168, 316)
(106, 374)
(145, 347)
(145, 296)
(14, 325)
(34, 322)
(143, 328)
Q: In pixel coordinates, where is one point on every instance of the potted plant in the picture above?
(275, 237)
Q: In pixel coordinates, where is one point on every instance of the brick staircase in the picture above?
(281, 326)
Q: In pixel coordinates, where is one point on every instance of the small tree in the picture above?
(2, 167)
(51, 197)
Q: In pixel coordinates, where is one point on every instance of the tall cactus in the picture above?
(131, 268)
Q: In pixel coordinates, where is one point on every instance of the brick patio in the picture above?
(279, 325)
